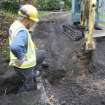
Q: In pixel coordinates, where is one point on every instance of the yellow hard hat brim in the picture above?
(34, 19)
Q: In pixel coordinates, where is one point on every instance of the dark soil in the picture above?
(63, 54)
(64, 69)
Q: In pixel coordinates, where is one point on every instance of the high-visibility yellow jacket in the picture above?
(30, 55)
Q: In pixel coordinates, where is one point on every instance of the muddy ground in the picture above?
(64, 69)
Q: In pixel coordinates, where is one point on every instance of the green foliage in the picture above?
(67, 4)
(5, 21)
(48, 4)
(13, 5)
(52, 4)
(10, 5)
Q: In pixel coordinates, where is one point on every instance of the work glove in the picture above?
(20, 62)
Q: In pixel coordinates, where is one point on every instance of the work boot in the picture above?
(37, 73)
(44, 64)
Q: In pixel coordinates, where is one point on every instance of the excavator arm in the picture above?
(88, 12)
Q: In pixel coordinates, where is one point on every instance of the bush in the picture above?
(68, 4)
(45, 4)
(11, 6)
(52, 4)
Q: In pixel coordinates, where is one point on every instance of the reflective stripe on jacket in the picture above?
(30, 56)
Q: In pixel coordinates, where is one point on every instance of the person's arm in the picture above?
(19, 44)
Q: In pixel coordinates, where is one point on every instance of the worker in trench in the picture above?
(25, 58)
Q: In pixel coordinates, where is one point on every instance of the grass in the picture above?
(102, 16)
(43, 13)
(8, 13)
(102, 24)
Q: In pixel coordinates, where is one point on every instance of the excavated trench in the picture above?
(66, 55)
(61, 83)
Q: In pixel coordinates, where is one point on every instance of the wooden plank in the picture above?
(99, 34)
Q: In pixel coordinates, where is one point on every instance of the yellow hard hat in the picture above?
(29, 11)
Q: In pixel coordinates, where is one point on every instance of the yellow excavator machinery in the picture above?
(89, 13)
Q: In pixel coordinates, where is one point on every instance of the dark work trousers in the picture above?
(28, 76)
(40, 57)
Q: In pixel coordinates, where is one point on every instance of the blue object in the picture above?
(19, 44)
(76, 11)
